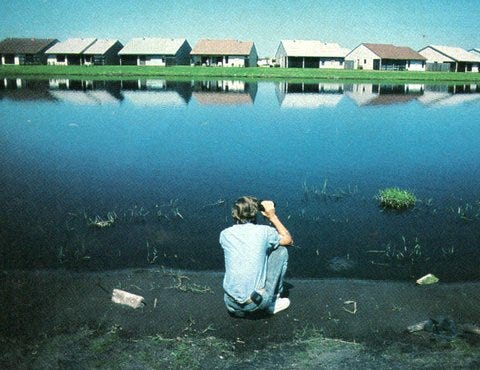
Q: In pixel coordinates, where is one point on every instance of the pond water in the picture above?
(158, 164)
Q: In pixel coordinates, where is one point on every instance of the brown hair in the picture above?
(245, 210)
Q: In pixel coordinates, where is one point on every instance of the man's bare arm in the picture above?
(269, 212)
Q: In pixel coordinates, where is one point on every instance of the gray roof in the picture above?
(100, 47)
(455, 53)
(71, 46)
(152, 46)
(25, 45)
(313, 48)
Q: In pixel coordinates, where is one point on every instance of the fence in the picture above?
(349, 64)
(438, 67)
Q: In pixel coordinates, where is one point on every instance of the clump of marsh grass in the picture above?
(396, 198)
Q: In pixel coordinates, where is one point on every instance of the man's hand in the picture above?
(269, 208)
(269, 212)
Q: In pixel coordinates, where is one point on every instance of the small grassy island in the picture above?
(395, 198)
(255, 73)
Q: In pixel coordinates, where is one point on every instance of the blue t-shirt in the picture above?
(246, 247)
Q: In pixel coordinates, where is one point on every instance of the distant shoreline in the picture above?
(255, 73)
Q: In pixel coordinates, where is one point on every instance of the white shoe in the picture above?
(281, 304)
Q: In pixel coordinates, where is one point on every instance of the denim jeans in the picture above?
(277, 261)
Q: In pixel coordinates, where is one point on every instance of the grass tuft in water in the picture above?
(395, 198)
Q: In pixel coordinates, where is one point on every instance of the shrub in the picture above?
(396, 198)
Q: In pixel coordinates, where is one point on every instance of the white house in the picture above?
(68, 52)
(224, 92)
(224, 53)
(102, 52)
(385, 57)
(85, 92)
(24, 50)
(310, 54)
(368, 94)
(435, 96)
(301, 95)
(154, 51)
(475, 51)
(459, 59)
(155, 93)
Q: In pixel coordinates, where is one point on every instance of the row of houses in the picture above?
(290, 54)
(297, 95)
(148, 51)
(317, 54)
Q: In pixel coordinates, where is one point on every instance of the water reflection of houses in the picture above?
(157, 92)
(449, 95)
(86, 92)
(224, 92)
(25, 90)
(308, 95)
(365, 94)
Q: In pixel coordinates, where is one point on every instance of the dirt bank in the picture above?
(47, 304)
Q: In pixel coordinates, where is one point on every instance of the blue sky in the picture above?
(414, 23)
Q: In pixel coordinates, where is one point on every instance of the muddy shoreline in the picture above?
(51, 303)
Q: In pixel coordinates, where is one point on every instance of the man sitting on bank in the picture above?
(255, 259)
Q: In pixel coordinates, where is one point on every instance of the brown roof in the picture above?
(216, 98)
(222, 47)
(25, 45)
(388, 51)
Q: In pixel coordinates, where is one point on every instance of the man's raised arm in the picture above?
(269, 212)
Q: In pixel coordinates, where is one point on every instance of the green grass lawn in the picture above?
(256, 73)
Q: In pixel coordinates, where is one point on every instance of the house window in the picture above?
(226, 59)
(341, 62)
(408, 64)
(364, 61)
(61, 58)
(323, 62)
(9, 59)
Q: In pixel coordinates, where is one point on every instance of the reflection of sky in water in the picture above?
(148, 144)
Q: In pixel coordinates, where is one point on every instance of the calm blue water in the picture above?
(160, 162)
